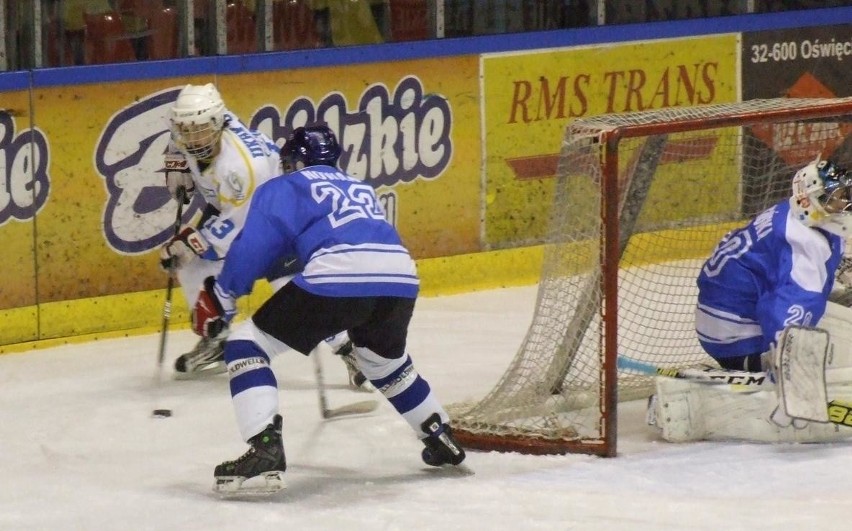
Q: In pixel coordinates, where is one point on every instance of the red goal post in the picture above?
(639, 201)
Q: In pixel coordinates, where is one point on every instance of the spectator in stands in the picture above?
(344, 23)
(75, 26)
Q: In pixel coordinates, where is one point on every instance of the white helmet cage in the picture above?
(822, 197)
(197, 119)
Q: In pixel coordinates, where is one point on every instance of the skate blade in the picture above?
(201, 374)
(451, 470)
(261, 485)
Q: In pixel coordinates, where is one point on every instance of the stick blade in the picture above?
(356, 408)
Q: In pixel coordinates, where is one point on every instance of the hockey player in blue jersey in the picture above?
(776, 271)
(357, 277)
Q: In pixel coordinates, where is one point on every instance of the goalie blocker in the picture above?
(799, 408)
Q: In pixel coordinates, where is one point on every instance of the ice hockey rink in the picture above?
(79, 450)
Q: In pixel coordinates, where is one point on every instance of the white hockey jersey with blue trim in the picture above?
(246, 159)
(335, 226)
(769, 274)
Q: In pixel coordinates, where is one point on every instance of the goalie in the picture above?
(760, 291)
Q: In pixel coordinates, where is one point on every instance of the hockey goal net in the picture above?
(640, 201)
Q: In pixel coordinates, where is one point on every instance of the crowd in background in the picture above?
(48, 33)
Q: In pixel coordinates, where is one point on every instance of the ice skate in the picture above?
(357, 380)
(260, 470)
(441, 449)
(207, 358)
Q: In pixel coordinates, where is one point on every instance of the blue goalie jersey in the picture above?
(334, 226)
(772, 273)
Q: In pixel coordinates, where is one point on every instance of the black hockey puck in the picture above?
(163, 413)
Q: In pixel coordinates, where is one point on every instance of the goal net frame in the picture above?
(529, 409)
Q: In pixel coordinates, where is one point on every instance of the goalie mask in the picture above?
(309, 146)
(197, 120)
(822, 197)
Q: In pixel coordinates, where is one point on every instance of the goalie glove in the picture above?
(213, 310)
(178, 175)
(178, 251)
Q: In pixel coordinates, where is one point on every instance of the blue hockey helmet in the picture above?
(309, 146)
(822, 197)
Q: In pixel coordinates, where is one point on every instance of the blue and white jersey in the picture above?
(772, 273)
(334, 225)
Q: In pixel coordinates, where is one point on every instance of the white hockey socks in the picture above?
(405, 389)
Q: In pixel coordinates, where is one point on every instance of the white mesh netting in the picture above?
(690, 176)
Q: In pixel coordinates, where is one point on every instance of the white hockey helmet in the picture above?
(197, 119)
(822, 197)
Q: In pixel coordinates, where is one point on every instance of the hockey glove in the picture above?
(178, 174)
(178, 251)
(213, 310)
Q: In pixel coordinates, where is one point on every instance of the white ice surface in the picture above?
(80, 451)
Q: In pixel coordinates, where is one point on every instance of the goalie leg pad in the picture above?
(837, 321)
(800, 372)
(694, 411)
(676, 411)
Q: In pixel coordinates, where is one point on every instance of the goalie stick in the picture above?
(709, 375)
(742, 380)
(356, 408)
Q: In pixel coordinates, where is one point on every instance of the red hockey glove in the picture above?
(178, 251)
(213, 310)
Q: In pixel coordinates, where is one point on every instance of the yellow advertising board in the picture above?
(24, 192)
(415, 137)
(529, 98)
(104, 210)
(108, 204)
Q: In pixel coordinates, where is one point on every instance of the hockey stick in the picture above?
(167, 310)
(356, 408)
(751, 380)
(708, 375)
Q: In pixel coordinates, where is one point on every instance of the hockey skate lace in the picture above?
(232, 465)
(250, 453)
(264, 439)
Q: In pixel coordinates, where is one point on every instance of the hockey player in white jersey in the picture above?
(775, 273)
(357, 277)
(214, 154)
